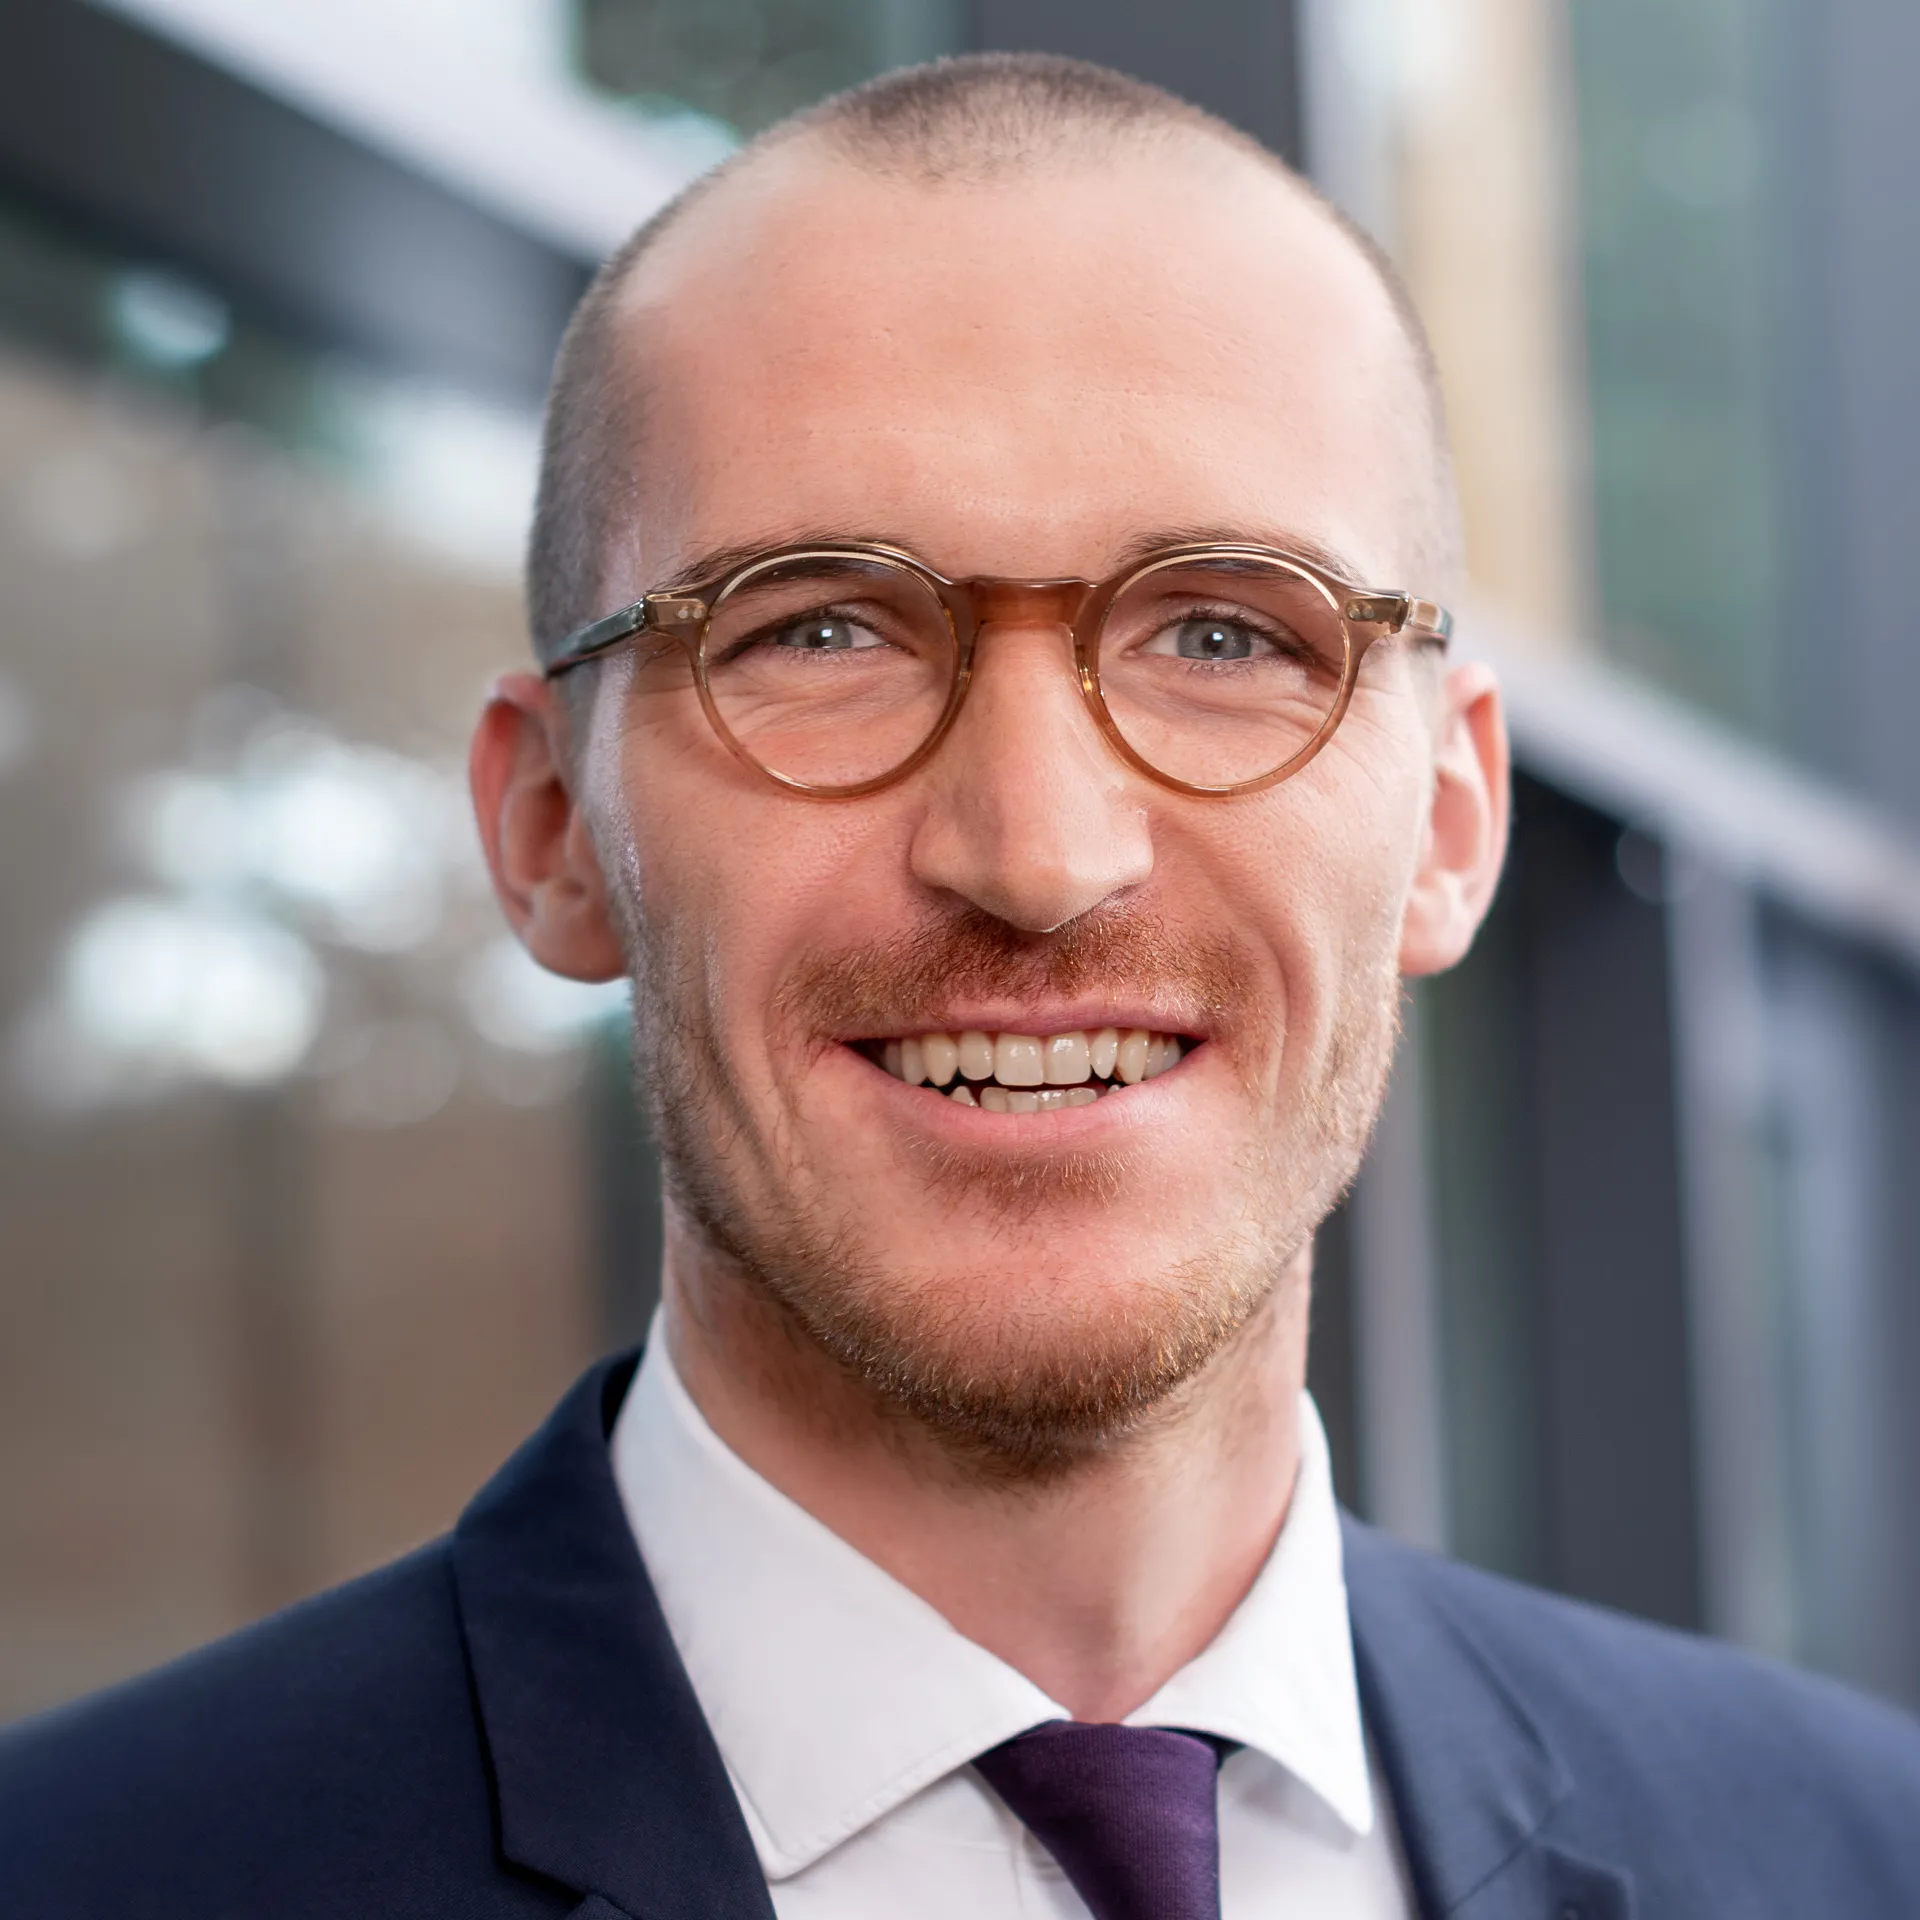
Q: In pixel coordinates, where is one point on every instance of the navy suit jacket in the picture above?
(498, 1727)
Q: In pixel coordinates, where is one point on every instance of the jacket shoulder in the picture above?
(325, 1760)
(1679, 1746)
(1587, 1666)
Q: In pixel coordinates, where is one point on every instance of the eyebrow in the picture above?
(1302, 546)
(713, 562)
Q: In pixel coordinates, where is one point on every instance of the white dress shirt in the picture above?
(847, 1709)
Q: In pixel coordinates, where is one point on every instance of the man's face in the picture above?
(1017, 379)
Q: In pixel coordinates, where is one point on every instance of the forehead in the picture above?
(1019, 376)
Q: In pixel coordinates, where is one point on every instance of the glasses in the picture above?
(837, 670)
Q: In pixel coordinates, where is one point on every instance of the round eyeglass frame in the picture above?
(685, 614)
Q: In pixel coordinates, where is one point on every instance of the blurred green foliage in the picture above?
(748, 63)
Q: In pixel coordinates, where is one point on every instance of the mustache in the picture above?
(896, 983)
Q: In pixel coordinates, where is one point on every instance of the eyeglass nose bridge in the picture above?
(996, 602)
(989, 600)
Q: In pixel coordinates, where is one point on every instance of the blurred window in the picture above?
(297, 1238)
(1682, 178)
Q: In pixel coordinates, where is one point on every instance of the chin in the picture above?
(1018, 1356)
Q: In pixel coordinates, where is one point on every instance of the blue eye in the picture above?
(1210, 640)
(825, 634)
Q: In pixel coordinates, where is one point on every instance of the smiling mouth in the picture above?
(1025, 1072)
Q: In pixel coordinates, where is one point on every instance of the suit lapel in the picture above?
(607, 1779)
(1475, 1781)
(605, 1775)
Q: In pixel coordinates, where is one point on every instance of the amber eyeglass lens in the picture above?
(1221, 671)
(829, 671)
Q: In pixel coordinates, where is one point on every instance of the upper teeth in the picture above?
(1024, 1060)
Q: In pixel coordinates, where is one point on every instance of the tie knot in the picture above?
(1130, 1813)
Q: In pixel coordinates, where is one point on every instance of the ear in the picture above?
(545, 870)
(1465, 843)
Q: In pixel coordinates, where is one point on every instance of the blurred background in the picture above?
(314, 1193)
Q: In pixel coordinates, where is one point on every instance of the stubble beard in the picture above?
(1009, 1397)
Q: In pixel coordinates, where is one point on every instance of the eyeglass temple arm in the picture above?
(1401, 613)
(655, 613)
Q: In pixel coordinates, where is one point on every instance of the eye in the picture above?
(825, 633)
(1211, 639)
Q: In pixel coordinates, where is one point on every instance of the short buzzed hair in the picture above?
(968, 120)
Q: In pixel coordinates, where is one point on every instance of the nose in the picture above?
(1030, 816)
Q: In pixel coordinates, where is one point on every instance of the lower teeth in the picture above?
(998, 1099)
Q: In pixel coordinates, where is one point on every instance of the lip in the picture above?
(1066, 1016)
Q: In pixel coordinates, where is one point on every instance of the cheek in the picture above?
(1372, 803)
(1317, 879)
(737, 881)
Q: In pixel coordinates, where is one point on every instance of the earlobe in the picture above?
(1465, 840)
(539, 852)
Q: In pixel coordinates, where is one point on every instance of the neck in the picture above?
(1098, 1584)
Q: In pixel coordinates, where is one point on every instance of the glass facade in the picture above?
(1684, 166)
(283, 1113)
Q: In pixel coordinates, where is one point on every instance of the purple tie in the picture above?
(1130, 1813)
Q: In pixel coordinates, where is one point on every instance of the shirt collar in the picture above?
(835, 1694)
(1279, 1677)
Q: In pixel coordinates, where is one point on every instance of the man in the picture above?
(989, 580)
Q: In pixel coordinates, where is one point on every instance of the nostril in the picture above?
(1033, 822)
